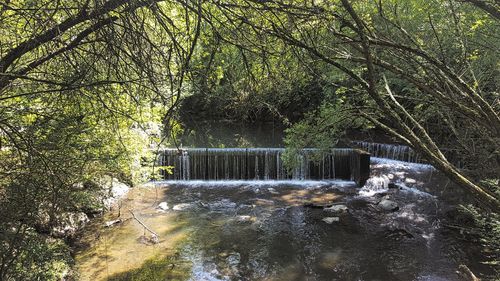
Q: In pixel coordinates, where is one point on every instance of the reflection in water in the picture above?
(220, 134)
(276, 231)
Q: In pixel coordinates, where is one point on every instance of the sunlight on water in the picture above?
(276, 230)
(117, 249)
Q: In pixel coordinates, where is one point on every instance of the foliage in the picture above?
(47, 259)
(82, 87)
(486, 229)
(321, 129)
(51, 153)
(235, 84)
(414, 74)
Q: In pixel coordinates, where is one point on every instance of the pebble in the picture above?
(330, 220)
(113, 222)
(336, 208)
(272, 191)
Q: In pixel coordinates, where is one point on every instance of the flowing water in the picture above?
(264, 164)
(280, 230)
(390, 151)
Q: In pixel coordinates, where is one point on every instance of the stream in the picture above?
(281, 230)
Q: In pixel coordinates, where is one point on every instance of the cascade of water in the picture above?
(390, 151)
(263, 164)
(185, 165)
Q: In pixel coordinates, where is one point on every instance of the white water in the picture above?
(390, 151)
(385, 171)
(398, 164)
(257, 183)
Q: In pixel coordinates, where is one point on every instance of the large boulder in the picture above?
(67, 224)
(114, 190)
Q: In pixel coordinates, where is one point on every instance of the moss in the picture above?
(158, 268)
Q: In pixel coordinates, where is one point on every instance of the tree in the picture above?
(76, 78)
(378, 44)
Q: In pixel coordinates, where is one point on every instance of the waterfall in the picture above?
(390, 151)
(264, 164)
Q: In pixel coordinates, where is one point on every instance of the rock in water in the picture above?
(182, 207)
(388, 205)
(244, 219)
(153, 239)
(222, 204)
(330, 220)
(163, 206)
(233, 259)
(336, 208)
(113, 222)
(315, 205)
(272, 191)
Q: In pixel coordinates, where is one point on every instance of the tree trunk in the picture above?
(456, 176)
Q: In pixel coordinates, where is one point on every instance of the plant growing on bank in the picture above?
(51, 157)
(481, 230)
(80, 83)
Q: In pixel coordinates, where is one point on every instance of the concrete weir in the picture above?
(265, 164)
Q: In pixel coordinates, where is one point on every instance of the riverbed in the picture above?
(280, 230)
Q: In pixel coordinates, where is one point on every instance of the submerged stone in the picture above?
(233, 259)
(388, 205)
(222, 204)
(336, 208)
(244, 219)
(152, 239)
(183, 207)
(263, 202)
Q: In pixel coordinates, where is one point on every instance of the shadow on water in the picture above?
(157, 268)
(120, 251)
